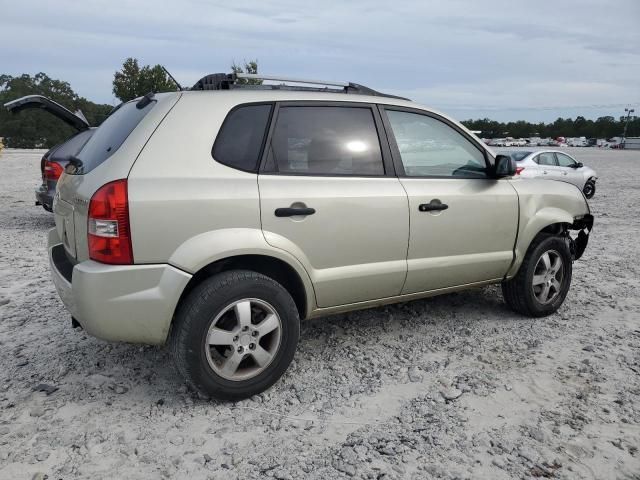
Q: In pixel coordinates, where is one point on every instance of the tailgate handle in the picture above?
(292, 212)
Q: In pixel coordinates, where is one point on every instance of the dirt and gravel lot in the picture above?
(451, 387)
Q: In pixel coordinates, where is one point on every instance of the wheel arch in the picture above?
(244, 248)
(272, 267)
(549, 220)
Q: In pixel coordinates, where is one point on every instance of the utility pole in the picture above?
(626, 124)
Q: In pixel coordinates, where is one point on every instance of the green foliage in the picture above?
(132, 81)
(36, 128)
(603, 127)
(249, 67)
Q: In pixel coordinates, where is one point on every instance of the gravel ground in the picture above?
(450, 387)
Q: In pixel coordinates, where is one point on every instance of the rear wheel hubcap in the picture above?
(243, 339)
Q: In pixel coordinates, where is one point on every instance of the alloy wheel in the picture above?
(548, 277)
(589, 189)
(243, 339)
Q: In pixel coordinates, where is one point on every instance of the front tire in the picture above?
(589, 189)
(543, 280)
(235, 334)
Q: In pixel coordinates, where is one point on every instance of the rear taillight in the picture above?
(51, 170)
(108, 225)
(519, 170)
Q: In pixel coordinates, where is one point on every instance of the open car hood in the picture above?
(76, 120)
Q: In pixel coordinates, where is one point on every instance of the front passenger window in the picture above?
(565, 160)
(431, 148)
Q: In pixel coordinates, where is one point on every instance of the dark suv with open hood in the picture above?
(55, 160)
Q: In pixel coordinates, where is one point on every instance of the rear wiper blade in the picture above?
(144, 101)
(75, 166)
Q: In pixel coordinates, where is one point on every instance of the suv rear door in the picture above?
(330, 197)
(463, 222)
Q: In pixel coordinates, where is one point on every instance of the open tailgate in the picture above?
(77, 121)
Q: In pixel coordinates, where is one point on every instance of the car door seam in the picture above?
(406, 258)
(515, 243)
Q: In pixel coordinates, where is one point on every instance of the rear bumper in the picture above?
(129, 303)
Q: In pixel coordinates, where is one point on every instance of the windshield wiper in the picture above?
(144, 101)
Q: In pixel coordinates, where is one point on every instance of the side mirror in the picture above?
(578, 165)
(505, 166)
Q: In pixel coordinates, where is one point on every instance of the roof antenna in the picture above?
(171, 77)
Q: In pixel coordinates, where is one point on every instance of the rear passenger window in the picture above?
(326, 141)
(240, 139)
(546, 159)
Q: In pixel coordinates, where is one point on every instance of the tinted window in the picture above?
(240, 139)
(519, 156)
(326, 141)
(108, 138)
(71, 147)
(564, 160)
(429, 147)
(546, 159)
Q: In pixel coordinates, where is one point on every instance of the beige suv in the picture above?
(215, 219)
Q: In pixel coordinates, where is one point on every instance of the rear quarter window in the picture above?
(113, 132)
(240, 139)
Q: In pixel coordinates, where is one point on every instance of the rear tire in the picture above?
(538, 291)
(589, 189)
(217, 342)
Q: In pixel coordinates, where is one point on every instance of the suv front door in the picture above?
(330, 197)
(463, 223)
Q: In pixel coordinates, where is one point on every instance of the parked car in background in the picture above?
(555, 165)
(577, 142)
(215, 219)
(56, 158)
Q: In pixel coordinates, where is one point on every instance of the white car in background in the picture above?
(555, 165)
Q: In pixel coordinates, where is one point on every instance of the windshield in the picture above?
(113, 132)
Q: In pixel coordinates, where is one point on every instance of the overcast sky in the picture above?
(507, 60)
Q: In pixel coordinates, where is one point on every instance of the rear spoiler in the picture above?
(76, 120)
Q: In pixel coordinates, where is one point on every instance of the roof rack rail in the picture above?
(229, 81)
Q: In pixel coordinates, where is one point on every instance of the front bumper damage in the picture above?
(578, 244)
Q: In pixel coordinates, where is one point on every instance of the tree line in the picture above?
(603, 127)
(36, 128)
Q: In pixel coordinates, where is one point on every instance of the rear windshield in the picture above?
(518, 156)
(108, 138)
(71, 147)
